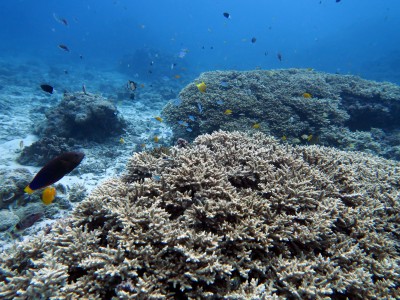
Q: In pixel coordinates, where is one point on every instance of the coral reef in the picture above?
(45, 149)
(13, 182)
(8, 220)
(83, 116)
(232, 216)
(303, 106)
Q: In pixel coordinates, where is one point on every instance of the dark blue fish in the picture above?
(54, 170)
(47, 88)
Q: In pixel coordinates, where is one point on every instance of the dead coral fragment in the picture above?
(234, 217)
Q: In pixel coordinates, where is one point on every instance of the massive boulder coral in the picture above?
(83, 116)
(232, 216)
(303, 106)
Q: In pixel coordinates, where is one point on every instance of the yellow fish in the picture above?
(156, 139)
(202, 87)
(48, 195)
(121, 140)
(177, 76)
(228, 112)
(159, 119)
(284, 138)
(310, 69)
(309, 138)
(307, 95)
(256, 125)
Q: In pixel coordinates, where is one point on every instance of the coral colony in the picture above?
(233, 216)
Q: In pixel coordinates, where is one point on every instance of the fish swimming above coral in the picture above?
(54, 170)
(48, 195)
(202, 87)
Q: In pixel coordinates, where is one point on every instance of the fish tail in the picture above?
(28, 190)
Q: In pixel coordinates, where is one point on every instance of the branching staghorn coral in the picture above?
(232, 216)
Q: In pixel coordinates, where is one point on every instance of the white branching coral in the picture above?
(232, 216)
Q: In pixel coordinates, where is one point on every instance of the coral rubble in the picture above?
(232, 216)
(332, 110)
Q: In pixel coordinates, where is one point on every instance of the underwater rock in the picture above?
(13, 182)
(83, 117)
(297, 105)
(8, 220)
(45, 149)
(231, 216)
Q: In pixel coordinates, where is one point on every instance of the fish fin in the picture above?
(28, 190)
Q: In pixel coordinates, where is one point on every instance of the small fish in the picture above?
(220, 102)
(48, 195)
(47, 88)
(60, 20)
(183, 123)
(156, 177)
(21, 144)
(202, 87)
(189, 129)
(224, 84)
(307, 95)
(310, 69)
(307, 137)
(158, 118)
(256, 125)
(121, 141)
(279, 55)
(63, 47)
(142, 85)
(156, 139)
(337, 1)
(183, 53)
(228, 112)
(191, 118)
(177, 76)
(253, 40)
(29, 220)
(173, 66)
(84, 89)
(226, 15)
(199, 107)
(54, 170)
(284, 138)
(131, 85)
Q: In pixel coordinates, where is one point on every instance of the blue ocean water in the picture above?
(356, 37)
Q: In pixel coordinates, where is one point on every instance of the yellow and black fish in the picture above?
(54, 170)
